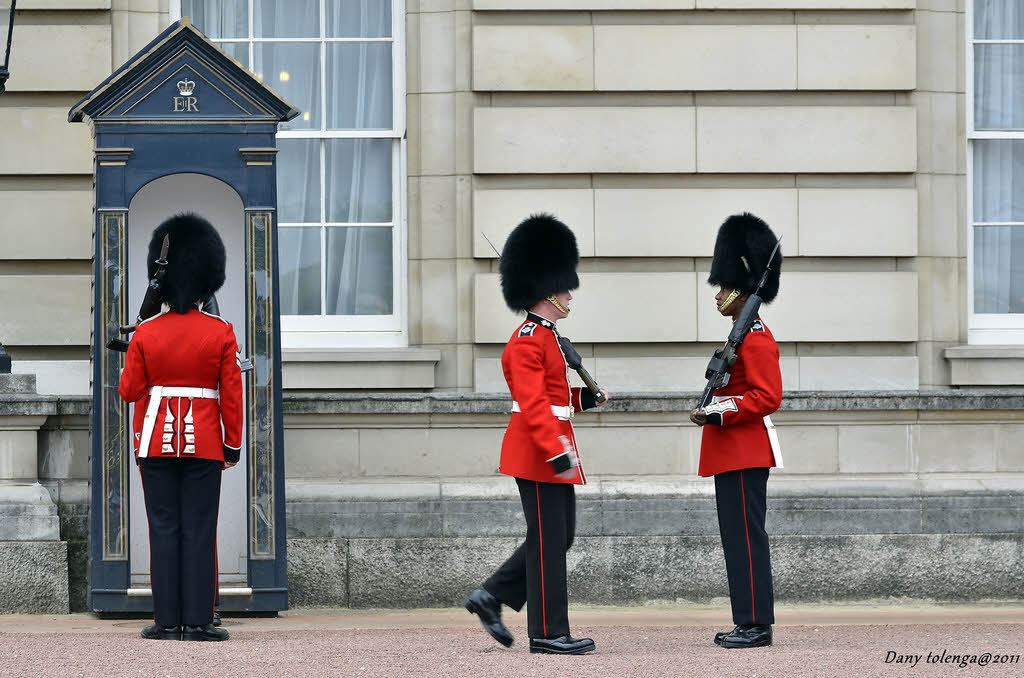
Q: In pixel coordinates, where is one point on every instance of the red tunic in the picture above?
(755, 387)
(195, 350)
(535, 371)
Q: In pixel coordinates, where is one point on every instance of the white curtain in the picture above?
(218, 18)
(998, 163)
(360, 270)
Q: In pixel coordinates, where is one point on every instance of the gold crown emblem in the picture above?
(185, 87)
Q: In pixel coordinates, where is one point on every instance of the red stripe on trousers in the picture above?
(149, 538)
(540, 537)
(750, 558)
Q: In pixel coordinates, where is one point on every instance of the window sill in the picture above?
(363, 369)
(986, 365)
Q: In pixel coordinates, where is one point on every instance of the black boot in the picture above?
(157, 632)
(748, 636)
(204, 632)
(561, 645)
(481, 603)
(216, 618)
(723, 634)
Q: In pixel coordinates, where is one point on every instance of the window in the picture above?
(995, 128)
(341, 243)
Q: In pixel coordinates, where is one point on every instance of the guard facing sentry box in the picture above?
(181, 127)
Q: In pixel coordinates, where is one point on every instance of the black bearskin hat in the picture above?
(539, 259)
(741, 253)
(195, 260)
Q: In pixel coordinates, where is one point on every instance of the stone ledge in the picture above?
(386, 368)
(323, 402)
(986, 365)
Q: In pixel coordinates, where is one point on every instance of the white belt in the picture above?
(563, 412)
(158, 393)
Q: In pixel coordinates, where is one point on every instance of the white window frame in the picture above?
(983, 328)
(365, 331)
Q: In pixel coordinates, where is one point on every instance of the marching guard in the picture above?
(739, 445)
(538, 271)
(182, 372)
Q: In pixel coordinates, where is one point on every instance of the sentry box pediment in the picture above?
(182, 77)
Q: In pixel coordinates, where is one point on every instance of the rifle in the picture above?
(717, 372)
(573, 360)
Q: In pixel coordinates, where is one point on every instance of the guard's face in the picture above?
(723, 297)
(563, 298)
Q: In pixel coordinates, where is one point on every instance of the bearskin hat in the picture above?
(539, 259)
(195, 260)
(741, 254)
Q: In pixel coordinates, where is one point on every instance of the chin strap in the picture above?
(557, 304)
(728, 300)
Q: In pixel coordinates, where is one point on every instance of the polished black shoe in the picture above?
(216, 618)
(481, 603)
(157, 632)
(748, 636)
(561, 645)
(723, 634)
(204, 632)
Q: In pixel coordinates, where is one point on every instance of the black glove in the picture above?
(232, 455)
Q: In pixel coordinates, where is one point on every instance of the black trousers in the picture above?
(182, 500)
(742, 499)
(535, 573)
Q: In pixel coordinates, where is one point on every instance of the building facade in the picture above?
(880, 138)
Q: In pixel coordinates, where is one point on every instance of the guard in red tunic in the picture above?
(182, 372)
(538, 271)
(739, 444)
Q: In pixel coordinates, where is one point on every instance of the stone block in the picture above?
(939, 51)
(831, 516)
(436, 61)
(462, 518)
(64, 453)
(489, 378)
(437, 206)
(809, 449)
(632, 450)
(806, 4)
(980, 365)
(584, 139)
(374, 518)
(858, 373)
(940, 283)
(957, 448)
(318, 573)
(841, 302)
(876, 449)
(57, 377)
(1009, 448)
(690, 58)
(436, 127)
(967, 514)
(40, 141)
(497, 212)
(33, 577)
(321, 452)
(774, 139)
(939, 129)
(942, 215)
(59, 58)
(64, 4)
(440, 301)
(429, 452)
(305, 369)
(431, 572)
(652, 374)
(856, 57)
(601, 296)
(134, 30)
(66, 299)
(533, 58)
(857, 222)
(681, 222)
(659, 517)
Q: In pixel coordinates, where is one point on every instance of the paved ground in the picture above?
(658, 641)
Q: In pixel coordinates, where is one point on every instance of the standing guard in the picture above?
(538, 272)
(182, 372)
(739, 444)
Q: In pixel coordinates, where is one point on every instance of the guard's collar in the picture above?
(540, 320)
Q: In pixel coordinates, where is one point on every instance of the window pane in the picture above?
(291, 19)
(298, 252)
(359, 271)
(239, 51)
(999, 269)
(998, 95)
(298, 180)
(359, 85)
(359, 180)
(218, 18)
(998, 19)
(998, 180)
(292, 69)
(358, 18)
